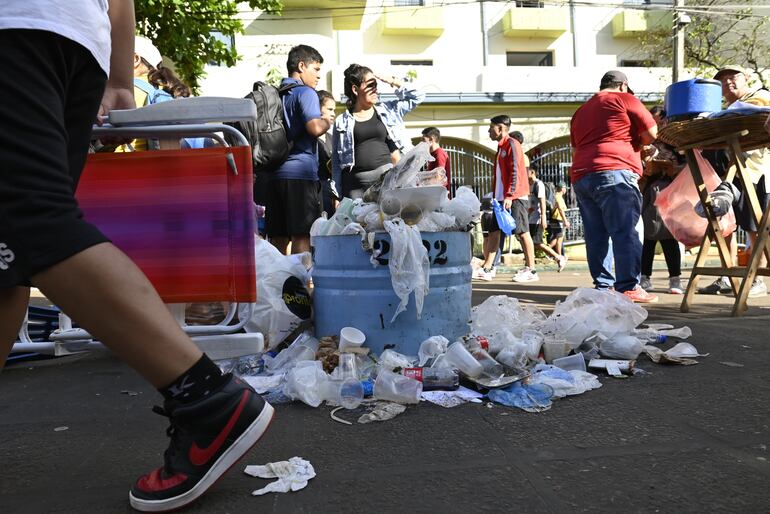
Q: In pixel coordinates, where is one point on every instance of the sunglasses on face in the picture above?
(371, 85)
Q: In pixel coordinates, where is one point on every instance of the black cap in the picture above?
(614, 76)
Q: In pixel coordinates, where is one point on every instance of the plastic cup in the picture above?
(351, 337)
(397, 388)
(461, 358)
(347, 393)
(492, 369)
(555, 349)
(347, 366)
(571, 362)
(390, 206)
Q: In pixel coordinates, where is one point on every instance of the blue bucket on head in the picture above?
(688, 98)
(348, 291)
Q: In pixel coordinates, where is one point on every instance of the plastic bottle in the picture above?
(435, 378)
(649, 336)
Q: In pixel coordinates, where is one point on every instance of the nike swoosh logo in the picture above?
(200, 456)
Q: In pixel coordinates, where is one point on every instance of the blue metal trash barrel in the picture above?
(349, 291)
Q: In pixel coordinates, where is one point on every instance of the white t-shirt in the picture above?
(499, 196)
(83, 21)
(537, 191)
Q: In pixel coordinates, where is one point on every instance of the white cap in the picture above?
(144, 48)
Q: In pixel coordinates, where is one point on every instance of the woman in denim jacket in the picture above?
(369, 136)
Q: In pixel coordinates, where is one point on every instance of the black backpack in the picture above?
(268, 135)
(550, 197)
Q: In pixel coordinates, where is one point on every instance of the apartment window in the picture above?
(229, 42)
(529, 3)
(406, 3)
(426, 62)
(637, 63)
(529, 58)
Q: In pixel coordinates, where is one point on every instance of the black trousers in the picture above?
(670, 252)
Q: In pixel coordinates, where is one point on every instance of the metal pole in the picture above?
(484, 36)
(572, 29)
(678, 64)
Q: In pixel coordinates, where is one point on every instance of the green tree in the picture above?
(193, 32)
(719, 33)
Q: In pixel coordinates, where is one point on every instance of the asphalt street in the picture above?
(679, 439)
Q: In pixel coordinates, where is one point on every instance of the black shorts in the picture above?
(520, 213)
(555, 230)
(291, 207)
(51, 88)
(489, 222)
(536, 231)
(743, 215)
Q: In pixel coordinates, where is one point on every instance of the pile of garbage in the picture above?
(404, 202)
(514, 355)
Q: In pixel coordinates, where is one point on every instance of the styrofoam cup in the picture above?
(570, 362)
(351, 337)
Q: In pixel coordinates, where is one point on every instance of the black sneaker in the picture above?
(719, 286)
(207, 438)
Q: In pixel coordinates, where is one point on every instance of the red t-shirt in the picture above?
(442, 161)
(605, 134)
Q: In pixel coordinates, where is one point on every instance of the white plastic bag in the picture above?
(621, 347)
(465, 207)
(390, 360)
(432, 348)
(283, 302)
(409, 265)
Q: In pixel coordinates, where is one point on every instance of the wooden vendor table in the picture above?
(737, 134)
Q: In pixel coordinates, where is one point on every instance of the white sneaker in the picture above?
(526, 276)
(675, 285)
(758, 288)
(493, 272)
(645, 283)
(481, 274)
(561, 261)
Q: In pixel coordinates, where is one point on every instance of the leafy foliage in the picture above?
(193, 32)
(720, 33)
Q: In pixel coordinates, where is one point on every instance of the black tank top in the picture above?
(371, 144)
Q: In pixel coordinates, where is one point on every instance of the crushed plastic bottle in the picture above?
(435, 378)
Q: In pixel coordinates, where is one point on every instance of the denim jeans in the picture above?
(610, 204)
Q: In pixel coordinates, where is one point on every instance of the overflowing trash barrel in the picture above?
(350, 291)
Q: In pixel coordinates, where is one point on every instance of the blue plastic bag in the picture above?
(528, 397)
(504, 218)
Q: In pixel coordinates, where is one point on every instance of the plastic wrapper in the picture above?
(391, 360)
(373, 221)
(676, 205)
(465, 207)
(307, 382)
(432, 348)
(621, 347)
(361, 211)
(434, 177)
(409, 265)
(404, 173)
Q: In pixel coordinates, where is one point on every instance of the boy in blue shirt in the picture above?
(294, 189)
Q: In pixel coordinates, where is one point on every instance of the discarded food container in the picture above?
(350, 291)
(609, 364)
(555, 348)
(397, 388)
(491, 369)
(351, 337)
(459, 357)
(570, 362)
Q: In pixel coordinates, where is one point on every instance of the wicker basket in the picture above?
(688, 133)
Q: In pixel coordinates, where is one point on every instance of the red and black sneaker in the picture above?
(207, 438)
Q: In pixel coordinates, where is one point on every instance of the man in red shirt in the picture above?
(607, 135)
(432, 136)
(510, 181)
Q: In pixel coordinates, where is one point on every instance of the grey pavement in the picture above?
(681, 439)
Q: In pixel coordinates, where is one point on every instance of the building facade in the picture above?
(535, 61)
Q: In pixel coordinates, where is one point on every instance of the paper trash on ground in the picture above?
(292, 475)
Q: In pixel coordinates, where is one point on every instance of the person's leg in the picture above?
(594, 232)
(673, 256)
(276, 203)
(491, 245)
(620, 202)
(13, 308)
(648, 256)
(104, 292)
(529, 249)
(303, 208)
